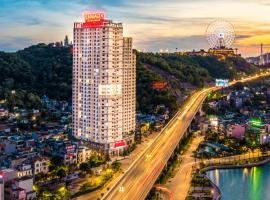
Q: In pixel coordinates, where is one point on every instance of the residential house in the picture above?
(24, 170)
(40, 164)
(21, 189)
(237, 131)
(84, 154)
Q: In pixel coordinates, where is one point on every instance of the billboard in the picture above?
(70, 148)
(110, 90)
(119, 144)
(222, 82)
(93, 19)
(159, 85)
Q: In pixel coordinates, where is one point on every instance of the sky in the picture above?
(153, 24)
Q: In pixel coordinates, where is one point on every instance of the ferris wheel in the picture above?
(220, 34)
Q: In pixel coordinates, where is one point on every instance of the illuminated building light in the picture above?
(110, 90)
(84, 59)
(93, 19)
(119, 144)
(159, 85)
(222, 82)
(97, 90)
(255, 122)
(245, 171)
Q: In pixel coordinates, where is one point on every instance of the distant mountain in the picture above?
(256, 59)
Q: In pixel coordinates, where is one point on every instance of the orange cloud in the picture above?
(255, 40)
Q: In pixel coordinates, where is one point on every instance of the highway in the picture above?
(140, 177)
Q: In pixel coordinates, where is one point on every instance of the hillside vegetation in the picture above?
(43, 69)
(183, 74)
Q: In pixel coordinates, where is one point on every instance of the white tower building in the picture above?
(104, 84)
(261, 62)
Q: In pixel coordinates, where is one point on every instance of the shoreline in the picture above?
(249, 165)
(211, 168)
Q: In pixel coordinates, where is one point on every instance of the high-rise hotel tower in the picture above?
(104, 84)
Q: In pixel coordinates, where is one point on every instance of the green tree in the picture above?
(85, 167)
(116, 165)
(61, 173)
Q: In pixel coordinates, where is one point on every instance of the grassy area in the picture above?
(95, 183)
(199, 181)
(62, 193)
(175, 162)
(99, 182)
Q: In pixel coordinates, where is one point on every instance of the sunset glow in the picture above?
(154, 24)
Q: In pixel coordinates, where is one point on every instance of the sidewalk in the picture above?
(179, 184)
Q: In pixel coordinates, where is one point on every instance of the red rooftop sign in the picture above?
(159, 85)
(93, 19)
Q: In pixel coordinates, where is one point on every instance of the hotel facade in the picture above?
(104, 85)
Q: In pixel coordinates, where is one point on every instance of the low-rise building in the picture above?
(40, 164)
(238, 102)
(8, 174)
(264, 138)
(237, 131)
(267, 128)
(3, 112)
(66, 150)
(84, 154)
(24, 170)
(70, 158)
(205, 126)
(14, 193)
(69, 154)
(4, 128)
(21, 189)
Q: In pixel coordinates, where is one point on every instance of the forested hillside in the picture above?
(197, 69)
(44, 69)
(40, 69)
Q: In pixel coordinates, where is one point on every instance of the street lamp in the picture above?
(121, 189)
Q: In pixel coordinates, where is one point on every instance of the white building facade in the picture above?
(84, 154)
(103, 99)
(41, 165)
